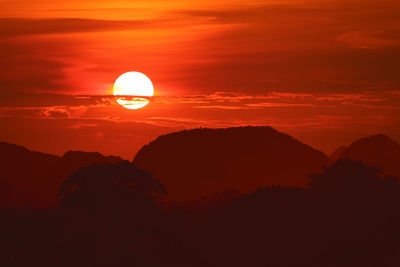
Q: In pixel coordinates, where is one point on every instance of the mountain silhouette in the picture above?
(376, 150)
(30, 178)
(198, 162)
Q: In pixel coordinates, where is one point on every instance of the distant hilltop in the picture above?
(198, 162)
(377, 150)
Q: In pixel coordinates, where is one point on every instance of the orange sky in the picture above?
(326, 72)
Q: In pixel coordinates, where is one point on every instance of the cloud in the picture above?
(104, 105)
(368, 39)
(221, 107)
(12, 27)
(32, 65)
(345, 98)
(395, 92)
(289, 46)
(298, 45)
(79, 125)
(56, 112)
(271, 105)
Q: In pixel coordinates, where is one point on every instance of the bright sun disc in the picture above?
(133, 90)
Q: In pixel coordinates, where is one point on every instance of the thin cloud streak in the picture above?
(12, 27)
(223, 100)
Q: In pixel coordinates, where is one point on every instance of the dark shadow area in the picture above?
(113, 215)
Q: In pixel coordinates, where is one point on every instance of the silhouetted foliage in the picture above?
(348, 216)
(109, 187)
(347, 176)
(110, 212)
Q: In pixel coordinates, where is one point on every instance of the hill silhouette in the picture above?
(30, 178)
(198, 162)
(376, 150)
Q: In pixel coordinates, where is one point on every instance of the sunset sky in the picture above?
(325, 71)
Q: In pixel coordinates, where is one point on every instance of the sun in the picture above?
(133, 90)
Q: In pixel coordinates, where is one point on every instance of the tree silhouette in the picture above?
(348, 216)
(109, 215)
(355, 213)
(110, 187)
(348, 176)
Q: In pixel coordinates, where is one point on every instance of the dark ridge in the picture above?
(376, 150)
(203, 161)
(376, 141)
(78, 159)
(10, 151)
(31, 178)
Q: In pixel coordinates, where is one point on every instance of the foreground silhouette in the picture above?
(110, 212)
(112, 215)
